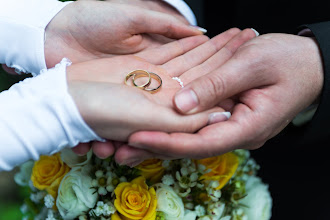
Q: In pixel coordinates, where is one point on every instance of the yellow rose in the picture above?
(48, 172)
(222, 168)
(152, 170)
(135, 201)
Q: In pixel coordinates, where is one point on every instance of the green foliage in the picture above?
(10, 211)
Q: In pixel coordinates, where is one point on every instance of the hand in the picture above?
(82, 72)
(174, 67)
(267, 82)
(85, 30)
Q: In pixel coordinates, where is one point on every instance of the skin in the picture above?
(265, 84)
(196, 61)
(193, 58)
(132, 109)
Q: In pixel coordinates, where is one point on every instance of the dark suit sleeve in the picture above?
(318, 128)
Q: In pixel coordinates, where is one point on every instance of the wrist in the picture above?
(54, 32)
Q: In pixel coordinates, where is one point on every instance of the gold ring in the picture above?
(152, 75)
(138, 73)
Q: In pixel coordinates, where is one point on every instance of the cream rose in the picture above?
(258, 200)
(75, 194)
(169, 202)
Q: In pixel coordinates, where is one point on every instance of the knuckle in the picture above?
(180, 45)
(250, 54)
(215, 85)
(233, 31)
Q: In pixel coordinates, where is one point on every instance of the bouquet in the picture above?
(67, 186)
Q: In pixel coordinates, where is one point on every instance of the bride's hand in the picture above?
(85, 30)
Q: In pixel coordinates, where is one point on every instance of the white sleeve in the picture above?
(184, 9)
(39, 117)
(23, 26)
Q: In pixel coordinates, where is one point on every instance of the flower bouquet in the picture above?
(67, 186)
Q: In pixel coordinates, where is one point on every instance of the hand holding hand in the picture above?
(85, 30)
(197, 57)
(115, 69)
(267, 82)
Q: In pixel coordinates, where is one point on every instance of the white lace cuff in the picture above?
(39, 117)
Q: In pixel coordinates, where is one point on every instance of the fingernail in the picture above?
(186, 100)
(218, 117)
(256, 32)
(203, 30)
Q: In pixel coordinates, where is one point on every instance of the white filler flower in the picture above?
(258, 200)
(169, 202)
(75, 194)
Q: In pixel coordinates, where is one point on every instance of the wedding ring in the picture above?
(154, 76)
(138, 73)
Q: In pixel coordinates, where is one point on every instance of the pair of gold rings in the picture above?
(145, 86)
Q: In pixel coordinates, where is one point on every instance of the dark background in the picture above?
(297, 173)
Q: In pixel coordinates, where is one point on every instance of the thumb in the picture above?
(233, 78)
(160, 23)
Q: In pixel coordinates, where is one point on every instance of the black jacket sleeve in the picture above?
(318, 128)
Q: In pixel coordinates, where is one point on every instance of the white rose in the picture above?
(169, 202)
(23, 177)
(258, 200)
(73, 160)
(75, 194)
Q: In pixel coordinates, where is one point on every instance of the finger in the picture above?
(148, 21)
(103, 149)
(200, 54)
(82, 149)
(171, 121)
(130, 156)
(218, 59)
(210, 141)
(164, 53)
(233, 77)
(227, 104)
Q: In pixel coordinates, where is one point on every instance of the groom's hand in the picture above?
(267, 82)
(85, 30)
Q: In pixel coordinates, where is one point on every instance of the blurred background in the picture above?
(11, 196)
